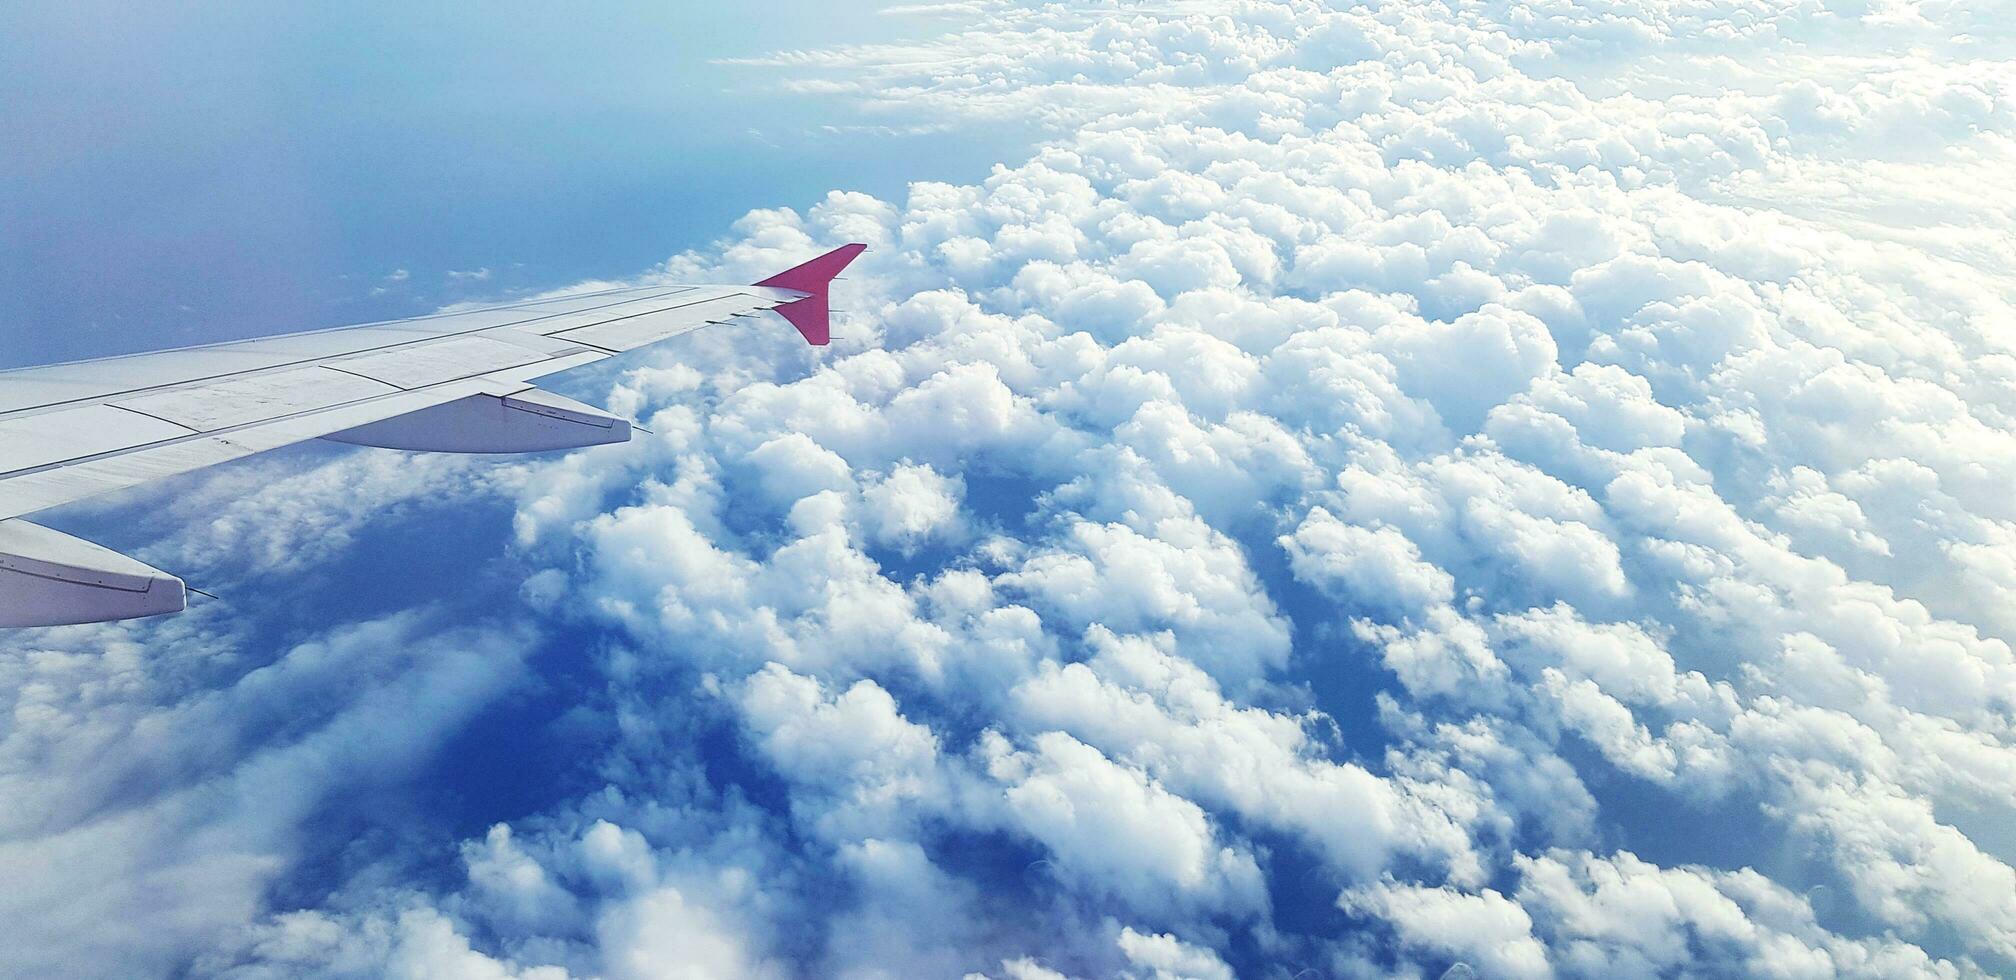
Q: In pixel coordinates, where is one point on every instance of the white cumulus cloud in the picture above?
(1401, 489)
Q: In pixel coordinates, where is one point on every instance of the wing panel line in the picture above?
(223, 435)
(150, 415)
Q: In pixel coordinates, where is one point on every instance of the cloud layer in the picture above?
(1377, 490)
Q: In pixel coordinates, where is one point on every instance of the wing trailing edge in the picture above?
(529, 421)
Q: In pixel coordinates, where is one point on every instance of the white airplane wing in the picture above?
(451, 382)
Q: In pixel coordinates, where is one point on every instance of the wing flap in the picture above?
(528, 422)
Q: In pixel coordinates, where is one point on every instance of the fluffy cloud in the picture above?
(1410, 488)
(1109, 827)
(127, 792)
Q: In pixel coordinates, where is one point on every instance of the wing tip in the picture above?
(813, 276)
(812, 315)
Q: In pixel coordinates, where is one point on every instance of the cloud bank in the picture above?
(1405, 490)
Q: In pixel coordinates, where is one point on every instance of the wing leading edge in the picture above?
(451, 382)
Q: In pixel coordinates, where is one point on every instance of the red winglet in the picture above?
(810, 314)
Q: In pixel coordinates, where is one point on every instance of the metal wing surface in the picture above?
(451, 382)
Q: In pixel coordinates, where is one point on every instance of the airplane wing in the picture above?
(450, 382)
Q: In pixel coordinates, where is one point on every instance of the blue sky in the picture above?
(1407, 489)
(180, 176)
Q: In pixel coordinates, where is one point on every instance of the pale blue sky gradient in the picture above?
(183, 176)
